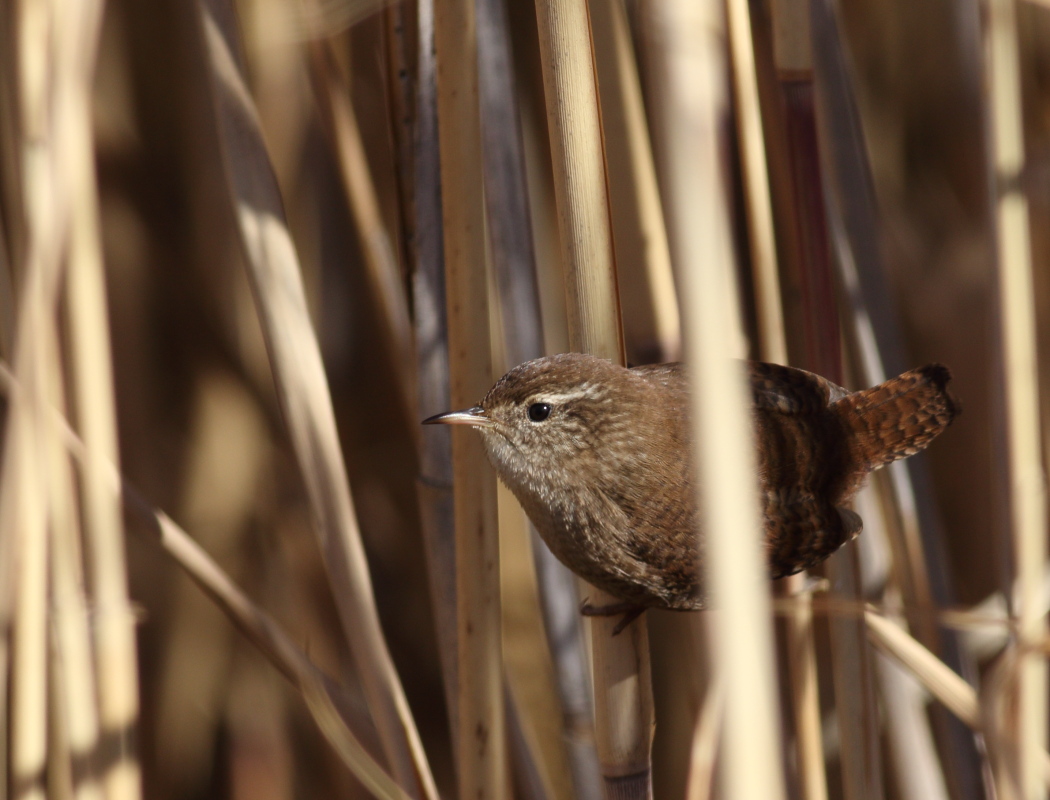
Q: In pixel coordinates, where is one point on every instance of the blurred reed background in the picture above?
(226, 234)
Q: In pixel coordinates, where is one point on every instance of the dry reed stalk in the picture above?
(622, 681)
(772, 346)
(75, 731)
(796, 165)
(652, 328)
(7, 290)
(751, 139)
(559, 590)
(1027, 488)
(113, 624)
(481, 746)
(400, 31)
(514, 268)
(741, 634)
(995, 696)
(24, 500)
(703, 758)
(853, 680)
(13, 222)
(984, 712)
(380, 260)
(431, 346)
(36, 493)
(302, 388)
(580, 189)
(24, 522)
(534, 717)
(805, 691)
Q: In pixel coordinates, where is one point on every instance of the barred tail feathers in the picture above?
(902, 416)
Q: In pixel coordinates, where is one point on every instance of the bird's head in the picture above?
(551, 415)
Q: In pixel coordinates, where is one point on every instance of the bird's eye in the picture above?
(539, 411)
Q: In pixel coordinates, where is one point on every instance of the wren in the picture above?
(599, 457)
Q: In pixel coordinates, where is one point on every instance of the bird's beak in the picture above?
(472, 416)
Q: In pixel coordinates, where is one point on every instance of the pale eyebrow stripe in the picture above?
(561, 397)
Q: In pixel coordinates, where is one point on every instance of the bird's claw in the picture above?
(630, 612)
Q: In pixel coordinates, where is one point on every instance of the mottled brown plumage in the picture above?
(599, 457)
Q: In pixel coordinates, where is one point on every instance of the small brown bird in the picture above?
(599, 457)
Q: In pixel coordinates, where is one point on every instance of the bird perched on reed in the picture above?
(599, 457)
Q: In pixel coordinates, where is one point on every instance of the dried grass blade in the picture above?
(696, 95)
(943, 683)
(302, 388)
(481, 751)
(1027, 488)
(345, 743)
(622, 681)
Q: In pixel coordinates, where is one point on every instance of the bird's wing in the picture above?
(802, 531)
(774, 387)
(788, 390)
(668, 376)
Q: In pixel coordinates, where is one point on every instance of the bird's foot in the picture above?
(630, 611)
